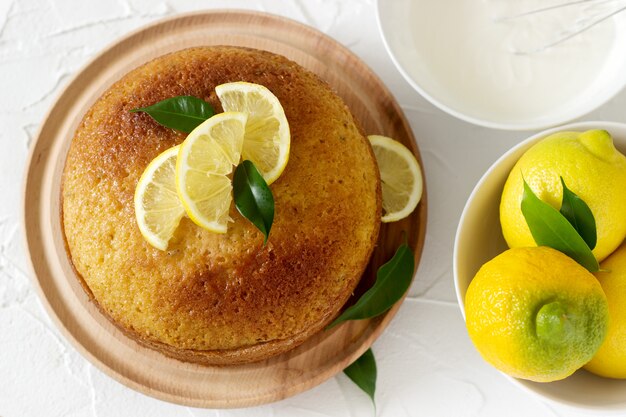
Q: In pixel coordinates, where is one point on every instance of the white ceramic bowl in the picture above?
(479, 239)
(412, 55)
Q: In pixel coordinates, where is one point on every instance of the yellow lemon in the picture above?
(590, 166)
(267, 139)
(610, 361)
(536, 314)
(157, 207)
(400, 177)
(203, 165)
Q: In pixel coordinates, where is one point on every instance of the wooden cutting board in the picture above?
(148, 371)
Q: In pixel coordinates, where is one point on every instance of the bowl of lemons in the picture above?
(540, 265)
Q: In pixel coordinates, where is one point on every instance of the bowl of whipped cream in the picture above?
(517, 65)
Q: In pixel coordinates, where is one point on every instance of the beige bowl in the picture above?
(479, 239)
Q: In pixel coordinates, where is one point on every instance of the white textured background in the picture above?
(427, 366)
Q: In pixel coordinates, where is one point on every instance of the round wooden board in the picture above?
(92, 334)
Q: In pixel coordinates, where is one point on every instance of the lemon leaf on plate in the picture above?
(183, 113)
(253, 197)
(578, 213)
(363, 373)
(392, 281)
(550, 228)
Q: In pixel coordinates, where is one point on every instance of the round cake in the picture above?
(222, 298)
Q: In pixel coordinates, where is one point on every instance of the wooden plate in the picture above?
(92, 334)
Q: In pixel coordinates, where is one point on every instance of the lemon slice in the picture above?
(157, 207)
(267, 138)
(400, 175)
(205, 159)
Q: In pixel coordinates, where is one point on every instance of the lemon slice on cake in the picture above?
(267, 138)
(157, 207)
(205, 160)
(400, 177)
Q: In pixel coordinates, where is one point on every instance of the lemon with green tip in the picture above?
(534, 313)
(591, 167)
(610, 360)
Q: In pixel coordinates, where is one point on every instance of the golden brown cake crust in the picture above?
(211, 298)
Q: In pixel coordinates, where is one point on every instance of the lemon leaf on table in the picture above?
(550, 228)
(183, 113)
(363, 373)
(578, 213)
(392, 281)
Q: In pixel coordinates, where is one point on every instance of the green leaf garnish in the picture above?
(392, 281)
(182, 113)
(578, 213)
(253, 197)
(551, 228)
(363, 373)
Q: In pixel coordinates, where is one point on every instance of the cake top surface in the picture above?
(222, 292)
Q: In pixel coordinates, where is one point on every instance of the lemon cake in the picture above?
(210, 298)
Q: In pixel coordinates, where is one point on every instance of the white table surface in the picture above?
(427, 365)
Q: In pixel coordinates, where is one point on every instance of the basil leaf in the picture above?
(253, 197)
(551, 228)
(363, 373)
(578, 213)
(392, 281)
(182, 113)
